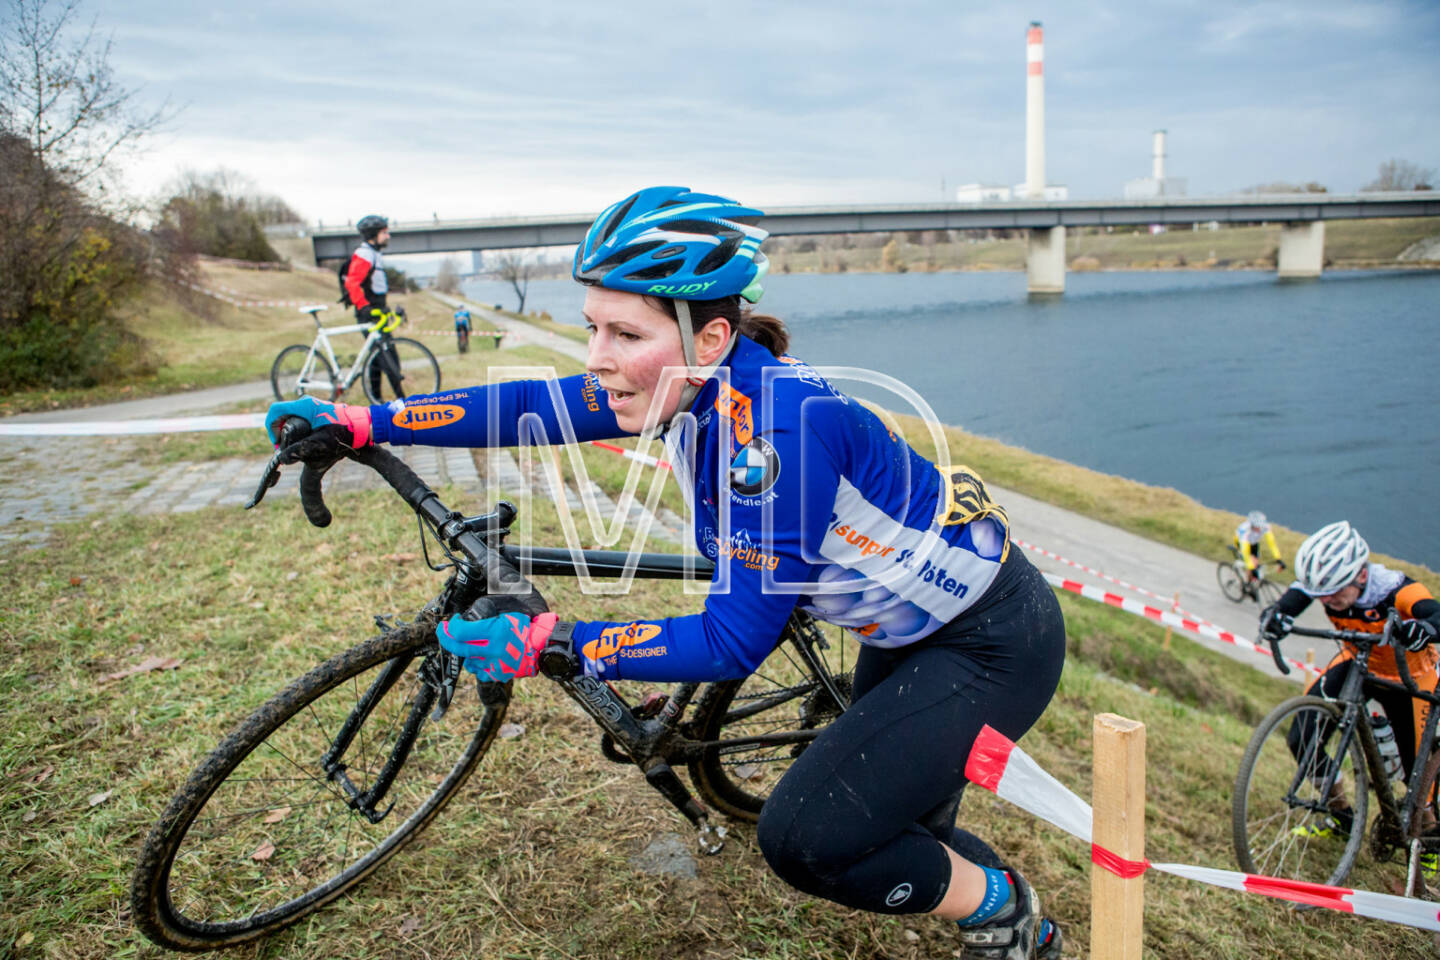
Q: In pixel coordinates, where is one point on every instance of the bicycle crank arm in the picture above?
(662, 778)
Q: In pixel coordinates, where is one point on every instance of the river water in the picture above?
(1313, 401)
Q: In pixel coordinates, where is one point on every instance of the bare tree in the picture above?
(514, 267)
(1396, 174)
(58, 93)
(447, 278)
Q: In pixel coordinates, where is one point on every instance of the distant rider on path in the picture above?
(1252, 530)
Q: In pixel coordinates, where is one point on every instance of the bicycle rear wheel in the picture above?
(265, 832)
(1283, 827)
(1230, 582)
(400, 368)
(299, 371)
(757, 726)
(1268, 592)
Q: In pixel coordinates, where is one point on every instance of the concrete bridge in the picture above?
(1302, 239)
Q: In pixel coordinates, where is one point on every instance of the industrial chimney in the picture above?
(1158, 165)
(1035, 112)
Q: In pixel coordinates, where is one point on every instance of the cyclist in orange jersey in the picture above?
(1333, 565)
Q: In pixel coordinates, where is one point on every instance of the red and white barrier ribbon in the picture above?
(646, 459)
(1168, 601)
(1001, 767)
(451, 333)
(1172, 619)
(110, 428)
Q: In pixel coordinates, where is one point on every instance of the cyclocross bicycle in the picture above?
(340, 770)
(388, 367)
(1301, 802)
(1237, 584)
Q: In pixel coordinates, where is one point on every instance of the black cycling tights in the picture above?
(1398, 705)
(861, 815)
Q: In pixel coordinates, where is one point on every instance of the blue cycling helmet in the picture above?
(669, 242)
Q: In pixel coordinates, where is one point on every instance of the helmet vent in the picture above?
(705, 228)
(617, 219)
(624, 255)
(717, 257)
(658, 272)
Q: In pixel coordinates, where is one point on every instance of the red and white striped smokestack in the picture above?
(1035, 112)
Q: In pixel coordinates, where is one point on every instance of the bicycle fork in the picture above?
(366, 801)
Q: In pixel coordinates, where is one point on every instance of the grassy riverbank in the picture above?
(1348, 244)
(532, 859)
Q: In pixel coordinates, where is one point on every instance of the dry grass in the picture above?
(532, 860)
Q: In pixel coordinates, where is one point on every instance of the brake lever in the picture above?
(292, 430)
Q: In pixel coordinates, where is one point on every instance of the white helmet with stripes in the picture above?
(1330, 559)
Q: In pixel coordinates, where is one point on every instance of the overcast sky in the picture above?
(475, 109)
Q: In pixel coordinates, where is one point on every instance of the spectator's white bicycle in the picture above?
(388, 367)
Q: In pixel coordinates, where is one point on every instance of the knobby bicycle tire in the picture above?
(1267, 770)
(420, 369)
(1230, 583)
(320, 367)
(152, 903)
(790, 694)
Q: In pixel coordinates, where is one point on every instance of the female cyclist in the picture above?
(820, 506)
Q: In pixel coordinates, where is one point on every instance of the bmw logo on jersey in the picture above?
(755, 468)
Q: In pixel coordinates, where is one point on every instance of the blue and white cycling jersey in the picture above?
(800, 495)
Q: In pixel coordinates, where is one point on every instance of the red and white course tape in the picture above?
(1168, 601)
(110, 428)
(646, 459)
(1001, 767)
(1172, 619)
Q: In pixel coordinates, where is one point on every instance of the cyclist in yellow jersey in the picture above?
(1254, 530)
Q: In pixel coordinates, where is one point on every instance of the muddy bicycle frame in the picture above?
(651, 735)
(1395, 820)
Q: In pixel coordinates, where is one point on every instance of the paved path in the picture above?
(100, 474)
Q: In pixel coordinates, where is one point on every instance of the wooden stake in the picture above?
(1117, 905)
(1165, 644)
(1310, 657)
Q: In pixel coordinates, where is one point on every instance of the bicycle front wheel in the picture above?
(299, 371)
(1283, 825)
(1230, 581)
(755, 728)
(275, 823)
(400, 368)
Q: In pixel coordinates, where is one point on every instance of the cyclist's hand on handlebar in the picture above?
(1281, 564)
(1275, 625)
(346, 423)
(1415, 635)
(499, 648)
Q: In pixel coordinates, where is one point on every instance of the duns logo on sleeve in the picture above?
(427, 416)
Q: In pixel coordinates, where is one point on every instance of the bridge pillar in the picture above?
(1045, 262)
(1302, 250)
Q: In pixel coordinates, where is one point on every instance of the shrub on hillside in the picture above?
(66, 266)
(206, 215)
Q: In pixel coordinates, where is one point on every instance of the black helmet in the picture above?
(371, 226)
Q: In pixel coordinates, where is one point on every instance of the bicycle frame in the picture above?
(322, 343)
(1395, 820)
